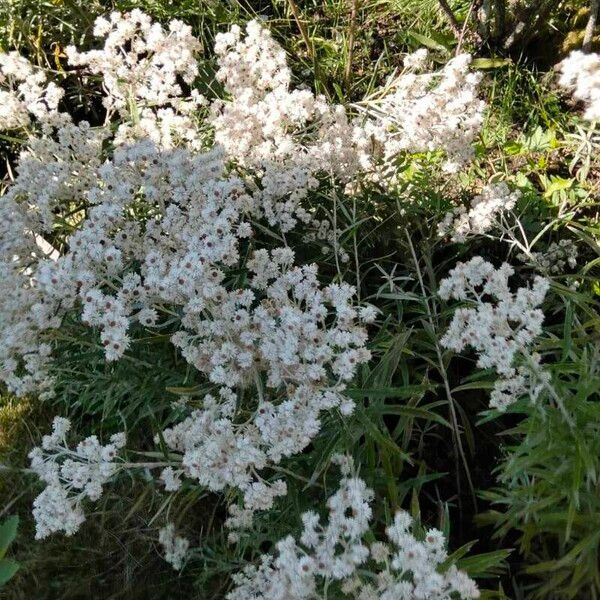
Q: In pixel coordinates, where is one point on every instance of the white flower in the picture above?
(556, 259)
(167, 209)
(171, 479)
(494, 199)
(140, 60)
(26, 94)
(335, 551)
(499, 331)
(71, 475)
(175, 547)
(427, 112)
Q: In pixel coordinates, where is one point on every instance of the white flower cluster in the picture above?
(335, 556)
(175, 547)
(25, 92)
(321, 231)
(501, 330)
(580, 72)
(483, 214)
(153, 222)
(305, 361)
(71, 476)
(159, 227)
(424, 112)
(555, 259)
(288, 136)
(141, 65)
(293, 137)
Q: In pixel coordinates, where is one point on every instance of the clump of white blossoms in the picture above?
(483, 214)
(335, 556)
(25, 93)
(71, 475)
(499, 325)
(580, 73)
(154, 218)
(425, 112)
(140, 64)
(175, 547)
(293, 138)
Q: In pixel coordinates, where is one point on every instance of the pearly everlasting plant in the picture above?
(150, 222)
(335, 556)
(141, 66)
(175, 547)
(153, 194)
(501, 326)
(289, 137)
(155, 227)
(139, 61)
(25, 94)
(556, 259)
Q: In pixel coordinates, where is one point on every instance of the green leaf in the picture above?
(8, 568)
(557, 184)
(490, 63)
(474, 385)
(400, 296)
(513, 148)
(8, 532)
(457, 555)
(411, 411)
(186, 391)
(384, 441)
(407, 391)
(484, 565)
(428, 42)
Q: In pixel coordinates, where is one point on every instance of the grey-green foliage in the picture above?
(549, 480)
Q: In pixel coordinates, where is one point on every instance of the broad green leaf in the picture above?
(513, 148)
(8, 532)
(557, 184)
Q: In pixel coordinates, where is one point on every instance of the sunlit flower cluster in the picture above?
(26, 93)
(290, 136)
(305, 365)
(580, 73)
(499, 325)
(425, 112)
(336, 555)
(141, 65)
(154, 226)
(483, 214)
